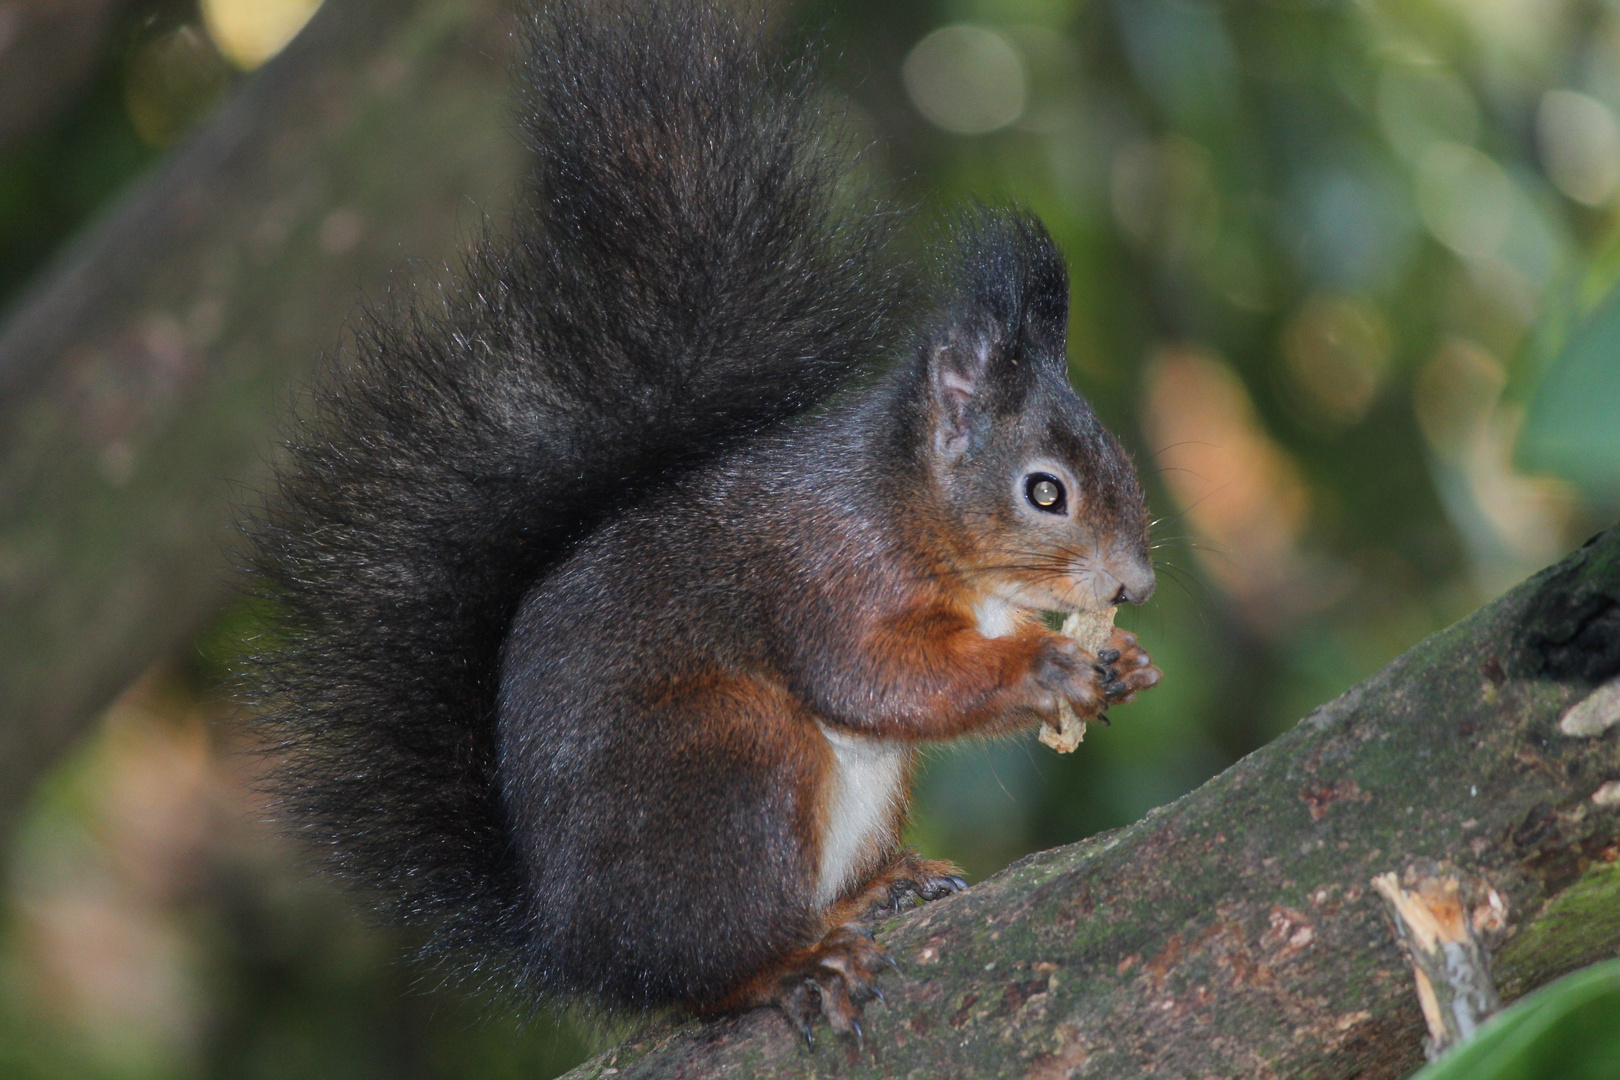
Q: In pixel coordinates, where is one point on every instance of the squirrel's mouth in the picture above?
(1064, 595)
(1085, 590)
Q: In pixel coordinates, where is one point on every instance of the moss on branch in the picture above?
(1234, 932)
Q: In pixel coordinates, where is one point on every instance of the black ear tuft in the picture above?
(1010, 274)
(1005, 327)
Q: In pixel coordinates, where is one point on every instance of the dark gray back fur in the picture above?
(683, 276)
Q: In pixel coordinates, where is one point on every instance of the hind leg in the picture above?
(835, 977)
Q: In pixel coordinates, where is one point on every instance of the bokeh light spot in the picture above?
(1242, 493)
(1454, 394)
(1420, 105)
(1465, 199)
(1336, 353)
(1510, 522)
(249, 32)
(172, 77)
(1580, 145)
(966, 79)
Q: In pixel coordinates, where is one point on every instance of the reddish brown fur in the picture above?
(709, 708)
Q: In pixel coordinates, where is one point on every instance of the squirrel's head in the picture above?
(1043, 499)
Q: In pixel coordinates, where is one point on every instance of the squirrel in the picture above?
(616, 590)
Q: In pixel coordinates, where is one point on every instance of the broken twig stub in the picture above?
(1443, 939)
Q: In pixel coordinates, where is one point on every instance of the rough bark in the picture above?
(1235, 932)
(145, 374)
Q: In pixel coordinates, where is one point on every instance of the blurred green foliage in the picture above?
(1323, 256)
(1573, 424)
(1568, 1030)
(1319, 254)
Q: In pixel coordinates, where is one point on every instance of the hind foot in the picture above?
(832, 978)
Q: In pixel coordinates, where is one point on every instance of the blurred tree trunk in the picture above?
(1234, 933)
(142, 378)
(48, 50)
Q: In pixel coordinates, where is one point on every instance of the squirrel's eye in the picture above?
(1044, 492)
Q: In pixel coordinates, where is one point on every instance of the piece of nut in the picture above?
(1091, 631)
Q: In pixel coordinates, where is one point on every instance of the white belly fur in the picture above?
(861, 799)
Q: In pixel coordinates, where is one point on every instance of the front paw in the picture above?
(1063, 671)
(1123, 667)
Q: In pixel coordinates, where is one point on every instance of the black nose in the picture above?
(1122, 597)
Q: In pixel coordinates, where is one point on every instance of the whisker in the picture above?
(1171, 520)
(1172, 446)
(988, 760)
(1190, 507)
(1200, 599)
(1162, 469)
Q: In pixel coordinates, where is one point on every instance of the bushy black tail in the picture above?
(685, 275)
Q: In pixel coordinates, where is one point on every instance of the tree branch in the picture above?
(48, 51)
(153, 360)
(1235, 932)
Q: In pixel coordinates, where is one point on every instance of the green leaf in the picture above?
(1567, 1030)
(1572, 429)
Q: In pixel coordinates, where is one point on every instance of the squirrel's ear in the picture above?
(1002, 332)
(958, 368)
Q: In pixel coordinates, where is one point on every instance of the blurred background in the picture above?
(1339, 272)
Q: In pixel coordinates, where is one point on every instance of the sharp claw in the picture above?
(834, 982)
(802, 1024)
(1101, 718)
(957, 884)
(1108, 655)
